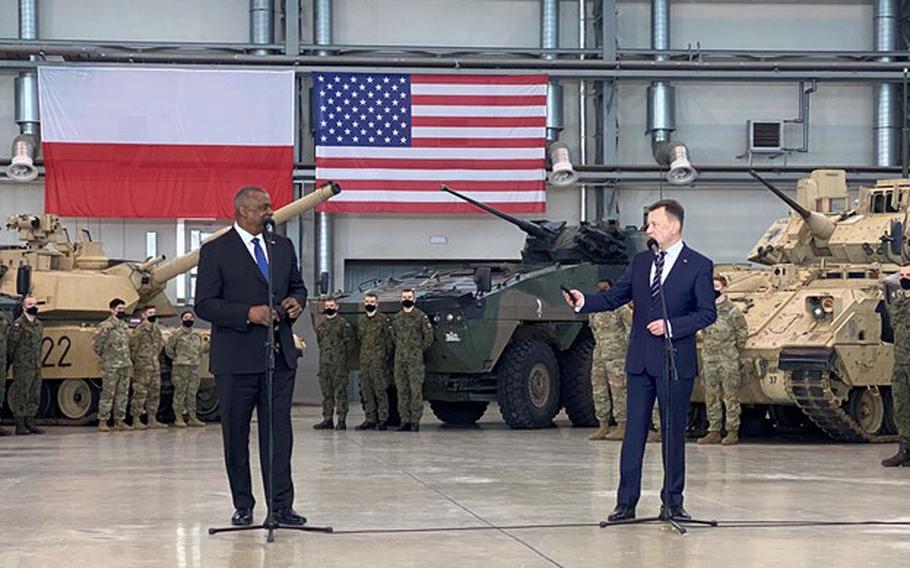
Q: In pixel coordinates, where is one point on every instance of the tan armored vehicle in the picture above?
(73, 282)
(818, 340)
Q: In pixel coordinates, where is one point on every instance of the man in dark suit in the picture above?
(232, 294)
(689, 294)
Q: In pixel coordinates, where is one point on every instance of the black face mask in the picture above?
(188, 323)
(32, 311)
(152, 319)
(716, 294)
(121, 315)
(330, 311)
(370, 308)
(407, 303)
(905, 283)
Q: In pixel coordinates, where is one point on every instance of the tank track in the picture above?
(811, 390)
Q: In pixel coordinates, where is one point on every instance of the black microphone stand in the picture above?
(670, 376)
(270, 524)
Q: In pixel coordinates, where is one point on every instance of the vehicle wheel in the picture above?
(867, 407)
(528, 384)
(460, 413)
(207, 404)
(575, 383)
(74, 399)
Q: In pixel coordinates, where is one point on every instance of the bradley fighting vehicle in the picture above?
(819, 342)
(73, 282)
(503, 331)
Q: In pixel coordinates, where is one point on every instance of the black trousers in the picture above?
(238, 395)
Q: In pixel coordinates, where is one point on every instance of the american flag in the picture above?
(391, 139)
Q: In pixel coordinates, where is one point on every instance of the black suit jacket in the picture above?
(689, 292)
(228, 283)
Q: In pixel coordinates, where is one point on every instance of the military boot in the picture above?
(193, 421)
(366, 425)
(601, 433)
(137, 423)
(341, 425)
(404, 427)
(4, 432)
(900, 459)
(712, 437)
(326, 424)
(121, 426)
(153, 423)
(382, 426)
(654, 436)
(103, 427)
(32, 427)
(21, 428)
(178, 421)
(617, 433)
(731, 439)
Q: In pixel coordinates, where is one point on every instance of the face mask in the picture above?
(407, 303)
(370, 308)
(152, 319)
(330, 311)
(121, 315)
(32, 311)
(188, 323)
(716, 294)
(905, 283)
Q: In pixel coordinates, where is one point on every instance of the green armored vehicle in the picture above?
(503, 331)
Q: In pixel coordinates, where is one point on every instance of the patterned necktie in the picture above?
(261, 261)
(658, 272)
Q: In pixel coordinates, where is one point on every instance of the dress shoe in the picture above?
(617, 433)
(153, 423)
(676, 513)
(900, 459)
(654, 436)
(32, 427)
(365, 425)
(103, 427)
(415, 426)
(712, 437)
(121, 426)
(324, 425)
(179, 422)
(289, 517)
(137, 423)
(601, 433)
(382, 426)
(341, 425)
(242, 518)
(21, 428)
(405, 427)
(194, 422)
(621, 513)
(731, 439)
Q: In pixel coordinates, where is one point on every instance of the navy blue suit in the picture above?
(689, 293)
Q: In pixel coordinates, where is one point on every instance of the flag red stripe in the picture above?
(481, 121)
(477, 142)
(416, 164)
(479, 100)
(413, 185)
(160, 181)
(479, 79)
(411, 207)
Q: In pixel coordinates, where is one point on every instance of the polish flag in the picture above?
(163, 143)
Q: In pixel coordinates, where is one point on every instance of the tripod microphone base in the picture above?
(674, 522)
(271, 526)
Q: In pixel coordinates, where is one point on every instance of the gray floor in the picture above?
(78, 498)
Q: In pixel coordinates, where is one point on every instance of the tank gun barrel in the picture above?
(527, 226)
(820, 226)
(164, 272)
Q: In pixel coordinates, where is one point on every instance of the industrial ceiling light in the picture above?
(22, 166)
(562, 174)
(681, 171)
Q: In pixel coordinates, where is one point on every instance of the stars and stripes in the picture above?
(391, 139)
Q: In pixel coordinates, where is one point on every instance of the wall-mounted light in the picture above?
(562, 174)
(22, 166)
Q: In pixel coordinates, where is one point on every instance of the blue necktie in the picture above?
(261, 261)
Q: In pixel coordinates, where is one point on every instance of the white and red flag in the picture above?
(157, 143)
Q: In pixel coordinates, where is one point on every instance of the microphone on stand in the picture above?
(268, 224)
(653, 246)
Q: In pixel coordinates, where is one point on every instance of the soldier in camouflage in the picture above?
(898, 306)
(112, 345)
(413, 336)
(336, 345)
(374, 332)
(722, 343)
(4, 334)
(24, 352)
(146, 343)
(608, 374)
(185, 348)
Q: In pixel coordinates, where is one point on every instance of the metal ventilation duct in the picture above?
(549, 39)
(25, 146)
(324, 223)
(262, 24)
(886, 110)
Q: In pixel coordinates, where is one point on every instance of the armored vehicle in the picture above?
(503, 331)
(818, 344)
(73, 282)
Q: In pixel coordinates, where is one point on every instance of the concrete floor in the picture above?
(78, 498)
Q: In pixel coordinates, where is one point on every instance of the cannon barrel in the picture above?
(164, 272)
(527, 226)
(818, 224)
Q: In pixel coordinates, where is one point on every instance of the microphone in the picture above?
(653, 246)
(268, 224)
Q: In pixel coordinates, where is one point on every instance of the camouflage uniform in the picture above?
(336, 344)
(145, 346)
(413, 335)
(24, 352)
(899, 313)
(112, 345)
(376, 344)
(4, 334)
(721, 346)
(185, 349)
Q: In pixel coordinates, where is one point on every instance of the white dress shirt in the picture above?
(247, 239)
(669, 261)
